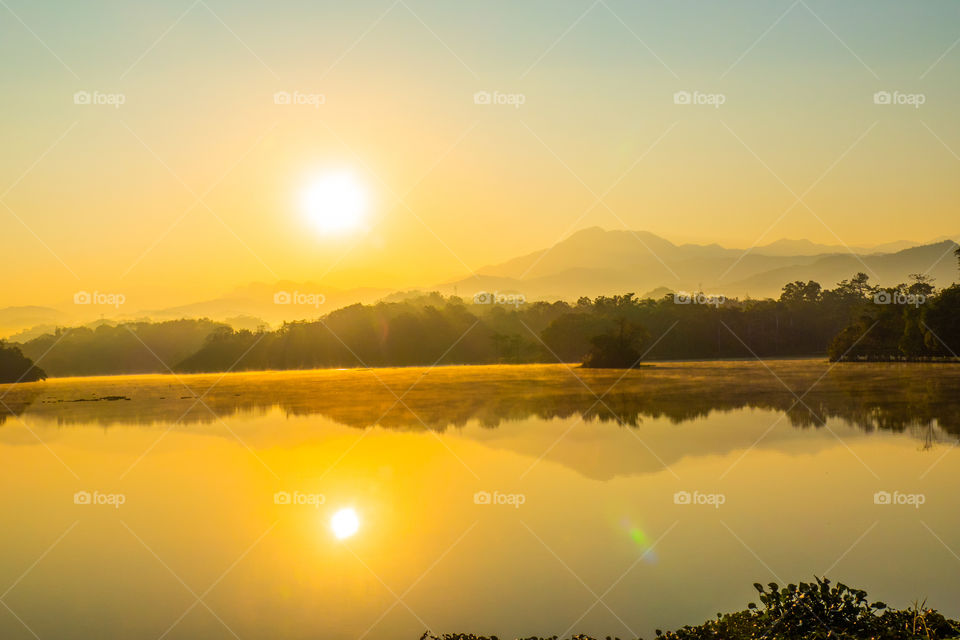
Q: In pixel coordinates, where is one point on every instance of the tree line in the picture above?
(905, 323)
(615, 331)
(853, 321)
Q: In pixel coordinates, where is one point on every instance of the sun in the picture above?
(336, 203)
(344, 523)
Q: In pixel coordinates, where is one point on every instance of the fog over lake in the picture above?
(502, 500)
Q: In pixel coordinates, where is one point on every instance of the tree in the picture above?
(941, 323)
(800, 292)
(858, 287)
(922, 284)
(619, 348)
(16, 367)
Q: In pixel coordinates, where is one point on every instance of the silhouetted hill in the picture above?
(594, 261)
(245, 307)
(14, 319)
(885, 269)
(267, 301)
(804, 247)
(590, 262)
(135, 347)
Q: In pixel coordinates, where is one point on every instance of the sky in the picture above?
(183, 177)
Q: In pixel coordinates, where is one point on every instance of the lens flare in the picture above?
(640, 538)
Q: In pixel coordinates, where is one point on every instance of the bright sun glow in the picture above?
(345, 523)
(336, 203)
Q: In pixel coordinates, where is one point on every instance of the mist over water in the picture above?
(492, 499)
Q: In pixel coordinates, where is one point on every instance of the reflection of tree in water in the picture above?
(14, 404)
(894, 398)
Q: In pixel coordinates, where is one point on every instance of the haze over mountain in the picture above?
(14, 319)
(273, 303)
(594, 261)
(589, 262)
(804, 247)
(246, 307)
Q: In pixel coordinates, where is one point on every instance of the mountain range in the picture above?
(590, 262)
(598, 262)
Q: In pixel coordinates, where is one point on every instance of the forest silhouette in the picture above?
(854, 321)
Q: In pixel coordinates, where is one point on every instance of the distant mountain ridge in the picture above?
(590, 262)
(595, 261)
(273, 303)
(14, 319)
(804, 247)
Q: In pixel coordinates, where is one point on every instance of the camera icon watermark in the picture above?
(914, 100)
(516, 100)
(898, 498)
(715, 100)
(685, 297)
(114, 300)
(496, 498)
(896, 297)
(486, 297)
(697, 498)
(115, 100)
(115, 500)
(298, 298)
(297, 498)
(298, 98)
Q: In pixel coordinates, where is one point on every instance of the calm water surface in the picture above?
(495, 500)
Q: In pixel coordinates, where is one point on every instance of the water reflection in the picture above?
(916, 398)
(248, 508)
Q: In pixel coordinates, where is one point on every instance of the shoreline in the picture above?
(577, 366)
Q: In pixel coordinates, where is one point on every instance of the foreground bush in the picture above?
(814, 611)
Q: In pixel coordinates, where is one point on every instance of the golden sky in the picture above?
(193, 185)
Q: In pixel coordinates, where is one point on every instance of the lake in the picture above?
(508, 500)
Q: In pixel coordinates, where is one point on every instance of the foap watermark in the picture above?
(99, 298)
(114, 500)
(712, 299)
(897, 297)
(696, 498)
(299, 98)
(299, 298)
(898, 498)
(485, 297)
(298, 498)
(115, 100)
(714, 100)
(899, 98)
(516, 100)
(512, 499)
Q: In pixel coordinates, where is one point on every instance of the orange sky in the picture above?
(192, 185)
